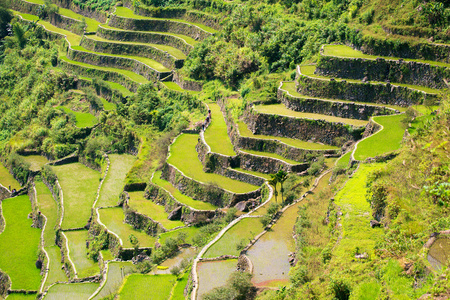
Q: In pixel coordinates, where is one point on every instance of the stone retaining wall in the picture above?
(145, 37)
(156, 54)
(103, 91)
(333, 108)
(158, 25)
(100, 16)
(263, 145)
(399, 48)
(4, 194)
(204, 192)
(189, 216)
(58, 20)
(180, 13)
(187, 84)
(101, 74)
(117, 62)
(361, 92)
(304, 129)
(142, 222)
(400, 71)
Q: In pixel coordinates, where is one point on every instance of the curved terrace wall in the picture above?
(180, 13)
(203, 192)
(399, 48)
(144, 37)
(101, 74)
(188, 215)
(401, 71)
(333, 108)
(158, 25)
(156, 54)
(100, 16)
(263, 145)
(361, 92)
(303, 129)
(117, 62)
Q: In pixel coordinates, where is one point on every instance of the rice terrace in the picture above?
(224, 149)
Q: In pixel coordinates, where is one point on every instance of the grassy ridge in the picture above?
(273, 155)
(19, 244)
(115, 179)
(78, 253)
(113, 218)
(179, 196)
(216, 135)
(184, 156)
(386, 140)
(36, 161)
(7, 180)
(83, 119)
(136, 287)
(154, 211)
(79, 185)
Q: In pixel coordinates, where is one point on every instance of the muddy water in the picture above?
(214, 274)
(175, 261)
(439, 253)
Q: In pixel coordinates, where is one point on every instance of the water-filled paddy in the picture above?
(214, 274)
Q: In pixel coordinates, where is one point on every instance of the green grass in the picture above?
(79, 185)
(114, 217)
(387, 140)
(177, 53)
(309, 71)
(55, 272)
(179, 196)
(184, 156)
(128, 13)
(73, 38)
(280, 109)
(216, 134)
(79, 291)
(115, 179)
(91, 23)
(186, 38)
(173, 86)
(48, 207)
(344, 160)
(19, 244)
(115, 278)
(290, 87)
(113, 85)
(83, 119)
(190, 232)
(36, 161)
(136, 286)
(130, 74)
(273, 155)
(107, 255)
(107, 105)
(178, 291)
(78, 253)
(245, 132)
(245, 230)
(346, 51)
(7, 180)
(154, 211)
(21, 297)
(149, 62)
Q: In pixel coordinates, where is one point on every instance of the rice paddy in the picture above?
(216, 135)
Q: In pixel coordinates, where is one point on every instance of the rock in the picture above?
(241, 206)
(140, 258)
(362, 255)
(375, 223)
(365, 79)
(175, 214)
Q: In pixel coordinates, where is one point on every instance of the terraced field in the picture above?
(84, 266)
(8, 180)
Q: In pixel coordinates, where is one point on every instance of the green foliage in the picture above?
(98, 241)
(19, 167)
(340, 288)
(239, 287)
(101, 5)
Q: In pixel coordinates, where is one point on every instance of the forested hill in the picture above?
(275, 149)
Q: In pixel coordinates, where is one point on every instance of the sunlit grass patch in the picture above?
(36, 161)
(7, 180)
(83, 119)
(78, 253)
(117, 272)
(216, 134)
(63, 291)
(136, 286)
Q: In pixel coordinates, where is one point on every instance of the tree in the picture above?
(5, 17)
(273, 182)
(281, 177)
